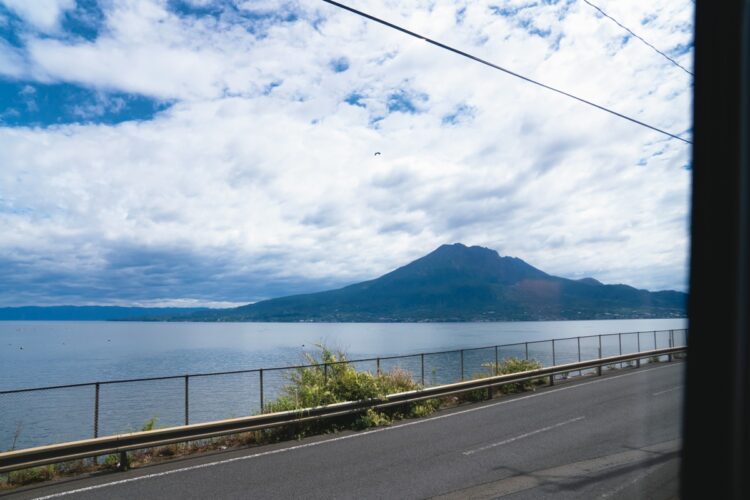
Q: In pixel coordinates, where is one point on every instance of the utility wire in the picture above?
(640, 38)
(500, 68)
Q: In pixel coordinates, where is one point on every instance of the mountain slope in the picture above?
(459, 283)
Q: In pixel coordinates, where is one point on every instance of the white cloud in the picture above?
(42, 14)
(11, 60)
(284, 181)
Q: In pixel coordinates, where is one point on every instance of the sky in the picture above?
(219, 152)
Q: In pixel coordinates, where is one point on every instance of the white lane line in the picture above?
(521, 436)
(341, 438)
(666, 391)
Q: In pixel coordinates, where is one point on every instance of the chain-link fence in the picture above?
(41, 416)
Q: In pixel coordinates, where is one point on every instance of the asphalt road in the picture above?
(616, 436)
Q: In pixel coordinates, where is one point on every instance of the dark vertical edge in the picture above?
(715, 439)
(422, 360)
(260, 381)
(187, 399)
(96, 410)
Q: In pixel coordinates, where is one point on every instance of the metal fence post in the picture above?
(260, 378)
(552, 377)
(657, 358)
(638, 361)
(527, 351)
(619, 338)
(671, 343)
(422, 356)
(96, 411)
(462, 364)
(325, 372)
(599, 368)
(497, 365)
(377, 363)
(187, 399)
(580, 372)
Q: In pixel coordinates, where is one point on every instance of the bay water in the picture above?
(50, 353)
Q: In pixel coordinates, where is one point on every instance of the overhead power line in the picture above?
(505, 70)
(640, 38)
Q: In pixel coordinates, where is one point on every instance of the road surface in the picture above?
(616, 436)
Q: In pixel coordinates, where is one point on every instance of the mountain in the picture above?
(460, 283)
(88, 313)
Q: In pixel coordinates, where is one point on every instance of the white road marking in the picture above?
(666, 391)
(521, 436)
(340, 438)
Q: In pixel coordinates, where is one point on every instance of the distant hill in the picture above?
(460, 283)
(88, 313)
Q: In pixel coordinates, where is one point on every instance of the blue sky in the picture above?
(217, 152)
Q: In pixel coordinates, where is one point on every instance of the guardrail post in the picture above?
(377, 364)
(325, 372)
(422, 356)
(96, 411)
(552, 377)
(638, 361)
(260, 379)
(527, 351)
(599, 368)
(124, 463)
(657, 358)
(187, 399)
(619, 338)
(580, 372)
(497, 363)
(462, 364)
(671, 343)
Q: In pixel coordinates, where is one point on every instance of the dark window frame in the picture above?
(716, 445)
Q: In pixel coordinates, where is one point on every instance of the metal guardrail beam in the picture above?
(43, 455)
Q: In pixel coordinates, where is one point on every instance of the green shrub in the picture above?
(339, 382)
(516, 365)
(372, 418)
(112, 460)
(149, 425)
(33, 475)
(424, 408)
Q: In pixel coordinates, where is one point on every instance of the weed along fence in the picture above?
(48, 415)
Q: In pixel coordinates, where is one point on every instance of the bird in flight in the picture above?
(377, 153)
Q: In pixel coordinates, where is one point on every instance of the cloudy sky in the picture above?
(211, 152)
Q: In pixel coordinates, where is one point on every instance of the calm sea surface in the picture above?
(40, 353)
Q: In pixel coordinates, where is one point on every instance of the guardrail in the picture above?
(30, 417)
(122, 443)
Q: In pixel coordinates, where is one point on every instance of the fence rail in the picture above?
(115, 406)
(15, 460)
